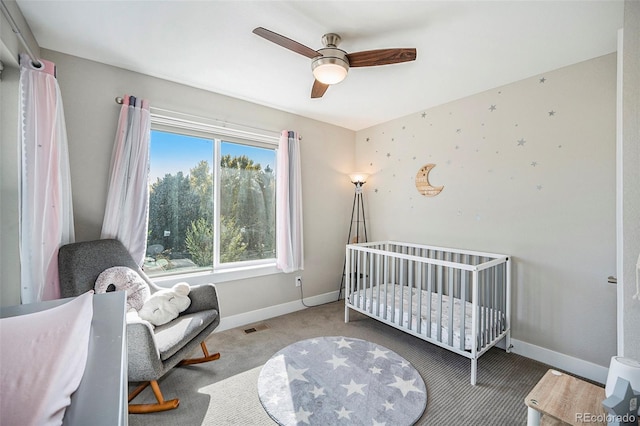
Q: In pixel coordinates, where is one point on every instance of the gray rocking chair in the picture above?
(152, 352)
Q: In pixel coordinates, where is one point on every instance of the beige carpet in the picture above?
(224, 392)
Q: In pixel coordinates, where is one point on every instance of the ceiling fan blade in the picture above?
(372, 58)
(318, 89)
(287, 43)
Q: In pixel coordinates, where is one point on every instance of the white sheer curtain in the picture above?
(290, 256)
(46, 210)
(125, 216)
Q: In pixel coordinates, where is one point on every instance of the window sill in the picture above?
(218, 276)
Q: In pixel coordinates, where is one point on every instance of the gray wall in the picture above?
(631, 178)
(519, 181)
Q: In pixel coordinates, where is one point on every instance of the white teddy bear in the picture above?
(165, 305)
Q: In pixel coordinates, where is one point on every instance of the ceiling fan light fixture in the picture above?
(329, 69)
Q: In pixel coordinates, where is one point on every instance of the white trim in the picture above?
(251, 317)
(206, 125)
(560, 361)
(619, 200)
(217, 276)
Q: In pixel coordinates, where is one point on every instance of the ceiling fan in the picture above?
(330, 65)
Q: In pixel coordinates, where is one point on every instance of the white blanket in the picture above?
(367, 298)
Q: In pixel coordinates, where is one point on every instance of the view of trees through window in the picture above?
(183, 228)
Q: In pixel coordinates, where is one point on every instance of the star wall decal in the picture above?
(542, 80)
(492, 108)
(521, 142)
(552, 113)
(424, 114)
(534, 163)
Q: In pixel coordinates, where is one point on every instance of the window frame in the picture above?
(206, 128)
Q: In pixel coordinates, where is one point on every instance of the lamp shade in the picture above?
(330, 68)
(330, 73)
(358, 177)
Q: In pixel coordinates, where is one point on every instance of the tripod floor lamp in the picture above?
(358, 225)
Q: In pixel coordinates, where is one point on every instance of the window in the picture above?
(211, 201)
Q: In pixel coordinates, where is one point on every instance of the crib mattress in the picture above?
(397, 299)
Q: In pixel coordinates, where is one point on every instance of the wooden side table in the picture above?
(562, 399)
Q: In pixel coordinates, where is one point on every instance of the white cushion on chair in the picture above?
(44, 355)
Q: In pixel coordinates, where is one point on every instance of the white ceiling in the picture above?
(464, 47)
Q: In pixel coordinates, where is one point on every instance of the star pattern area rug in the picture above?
(340, 380)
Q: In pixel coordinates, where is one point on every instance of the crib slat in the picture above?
(451, 304)
(419, 271)
(429, 294)
(439, 280)
(393, 281)
(374, 281)
(463, 302)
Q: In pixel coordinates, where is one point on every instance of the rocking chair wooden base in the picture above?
(205, 358)
(161, 405)
(171, 404)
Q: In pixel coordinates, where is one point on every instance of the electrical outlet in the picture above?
(298, 281)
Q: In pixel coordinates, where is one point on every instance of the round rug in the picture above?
(341, 380)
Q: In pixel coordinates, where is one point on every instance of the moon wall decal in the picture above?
(422, 182)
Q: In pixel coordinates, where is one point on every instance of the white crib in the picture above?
(422, 290)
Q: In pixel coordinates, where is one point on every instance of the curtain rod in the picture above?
(223, 123)
(14, 27)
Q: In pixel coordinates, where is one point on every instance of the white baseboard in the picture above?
(258, 315)
(560, 361)
(554, 359)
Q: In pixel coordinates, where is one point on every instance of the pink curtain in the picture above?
(289, 253)
(126, 213)
(46, 211)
